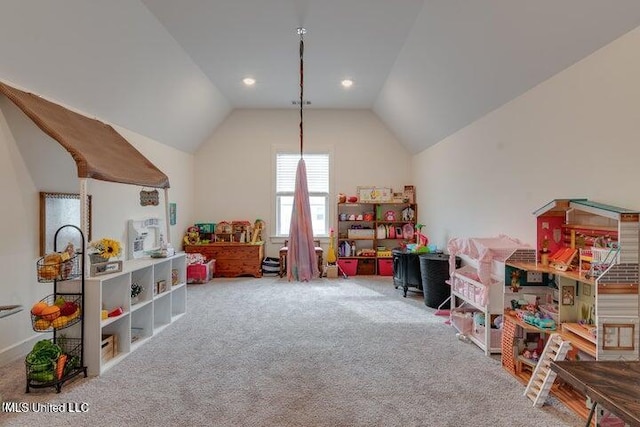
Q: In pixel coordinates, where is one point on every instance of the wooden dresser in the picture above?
(232, 259)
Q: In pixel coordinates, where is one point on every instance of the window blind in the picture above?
(317, 172)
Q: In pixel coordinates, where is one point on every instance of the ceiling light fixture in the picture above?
(347, 83)
(248, 81)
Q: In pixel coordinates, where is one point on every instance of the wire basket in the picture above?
(52, 267)
(44, 318)
(45, 372)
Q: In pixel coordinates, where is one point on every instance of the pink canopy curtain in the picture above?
(301, 255)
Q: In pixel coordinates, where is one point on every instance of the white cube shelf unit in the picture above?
(162, 301)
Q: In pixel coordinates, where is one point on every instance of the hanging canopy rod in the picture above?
(301, 32)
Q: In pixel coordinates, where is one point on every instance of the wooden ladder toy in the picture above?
(542, 378)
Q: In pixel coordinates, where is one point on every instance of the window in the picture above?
(318, 183)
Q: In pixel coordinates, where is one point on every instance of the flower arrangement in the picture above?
(136, 289)
(106, 248)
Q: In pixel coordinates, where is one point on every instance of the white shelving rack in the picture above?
(153, 311)
(467, 291)
(478, 286)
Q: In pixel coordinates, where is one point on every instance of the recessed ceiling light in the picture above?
(347, 83)
(248, 81)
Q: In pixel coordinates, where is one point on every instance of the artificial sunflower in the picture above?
(106, 248)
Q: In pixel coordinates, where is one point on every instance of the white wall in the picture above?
(575, 135)
(234, 167)
(31, 162)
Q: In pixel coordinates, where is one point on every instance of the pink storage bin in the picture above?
(348, 266)
(385, 267)
(201, 273)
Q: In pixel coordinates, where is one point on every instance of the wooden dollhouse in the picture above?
(599, 306)
(584, 275)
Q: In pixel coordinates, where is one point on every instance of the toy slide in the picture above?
(562, 258)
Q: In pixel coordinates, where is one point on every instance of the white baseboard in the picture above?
(19, 350)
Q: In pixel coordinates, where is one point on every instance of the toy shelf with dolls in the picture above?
(586, 266)
(369, 231)
(477, 294)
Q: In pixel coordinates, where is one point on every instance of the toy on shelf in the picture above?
(408, 214)
(421, 239)
(223, 232)
(561, 260)
(407, 232)
(192, 237)
(331, 252)
(258, 226)
(515, 280)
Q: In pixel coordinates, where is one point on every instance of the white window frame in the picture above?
(275, 195)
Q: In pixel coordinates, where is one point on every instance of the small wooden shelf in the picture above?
(528, 327)
(529, 362)
(581, 331)
(529, 266)
(579, 338)
(590, 227)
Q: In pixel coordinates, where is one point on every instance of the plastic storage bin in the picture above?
(201, 273)
(385, 267)
(462, 320)
(348, 266)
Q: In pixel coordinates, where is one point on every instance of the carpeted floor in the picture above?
(266, 352)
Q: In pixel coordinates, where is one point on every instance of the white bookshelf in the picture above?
(140, 321)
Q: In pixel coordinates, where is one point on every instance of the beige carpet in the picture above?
(266, 352)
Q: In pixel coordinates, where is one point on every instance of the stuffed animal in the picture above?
(408, 214)
(193, 236)
(258, 226)
(515, 280)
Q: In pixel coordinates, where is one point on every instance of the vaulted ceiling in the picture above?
(173, 70)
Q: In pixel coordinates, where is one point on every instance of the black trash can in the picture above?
(434, 269)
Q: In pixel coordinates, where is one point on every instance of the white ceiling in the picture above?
(172, 70)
